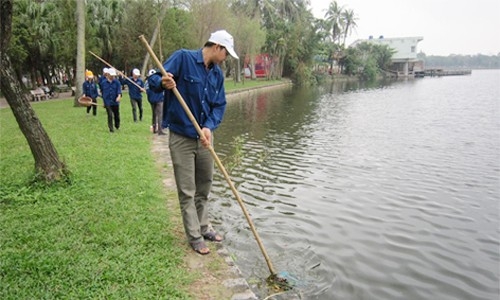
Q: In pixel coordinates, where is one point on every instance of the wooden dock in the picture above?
(441, 72)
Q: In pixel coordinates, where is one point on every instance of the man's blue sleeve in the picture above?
(155, 83)
(214, 119)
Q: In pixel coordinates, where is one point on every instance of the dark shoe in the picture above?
(111, 130)
(213, 237)
(200, 247)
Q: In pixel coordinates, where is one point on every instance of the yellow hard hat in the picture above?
(89, 74)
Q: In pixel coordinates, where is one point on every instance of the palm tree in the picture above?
(104, 16)
(349, 21)
(334, 17)
(280, 18)
(33, 20)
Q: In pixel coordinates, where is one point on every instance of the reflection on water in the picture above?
(380, 191)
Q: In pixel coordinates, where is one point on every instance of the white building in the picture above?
(404, 60)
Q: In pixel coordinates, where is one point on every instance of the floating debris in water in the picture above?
(279, 282)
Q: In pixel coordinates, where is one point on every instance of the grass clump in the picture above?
(105, 233)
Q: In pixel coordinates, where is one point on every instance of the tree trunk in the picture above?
(80, 50)
(47, 163)
(163, 12)
(252, 67)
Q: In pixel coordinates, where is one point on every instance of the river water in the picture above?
(382, 191)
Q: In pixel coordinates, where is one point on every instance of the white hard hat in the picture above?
(151, 72)
(112, 72)
(136, 72)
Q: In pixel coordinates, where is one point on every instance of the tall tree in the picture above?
(156, 32)
(349, 21)
(48, 166)
(66, 38)
(33, 32)
(336, 24)
(105, 18)
(80, 49)
(289, 26)
(334, 17)
(210, 16)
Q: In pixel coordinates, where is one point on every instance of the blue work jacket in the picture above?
(202, 89)
(153, 96)
(100, 80)
(133, 90)
(110, 91)
(90, 89)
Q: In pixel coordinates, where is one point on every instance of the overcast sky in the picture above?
(447, 26)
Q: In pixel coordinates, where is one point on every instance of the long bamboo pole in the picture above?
(215, 157)
(109, 65)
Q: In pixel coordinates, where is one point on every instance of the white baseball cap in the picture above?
(224, 39)
(112, 72)
(105, 70)
(136, 72)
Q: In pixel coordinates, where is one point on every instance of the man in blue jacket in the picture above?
(135, 88)
(89, 89)
(156, 101)
(200, 81)
(112, 94)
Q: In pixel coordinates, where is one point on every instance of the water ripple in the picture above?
(384, 192)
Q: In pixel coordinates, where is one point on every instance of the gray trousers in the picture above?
(193, 171)
(136, 103)
(157, 109)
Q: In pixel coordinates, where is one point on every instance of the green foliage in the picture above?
(177, 32)
(369, 71)
(304, 75)
(352, 61)
(291, 39)
(105, 17)
(44, 50)
(34, 41)
(367, 60)
(104, 234)
(248, 26)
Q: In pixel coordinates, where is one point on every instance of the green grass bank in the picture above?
(104, 234)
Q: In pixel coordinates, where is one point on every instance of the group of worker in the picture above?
(109, 87)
